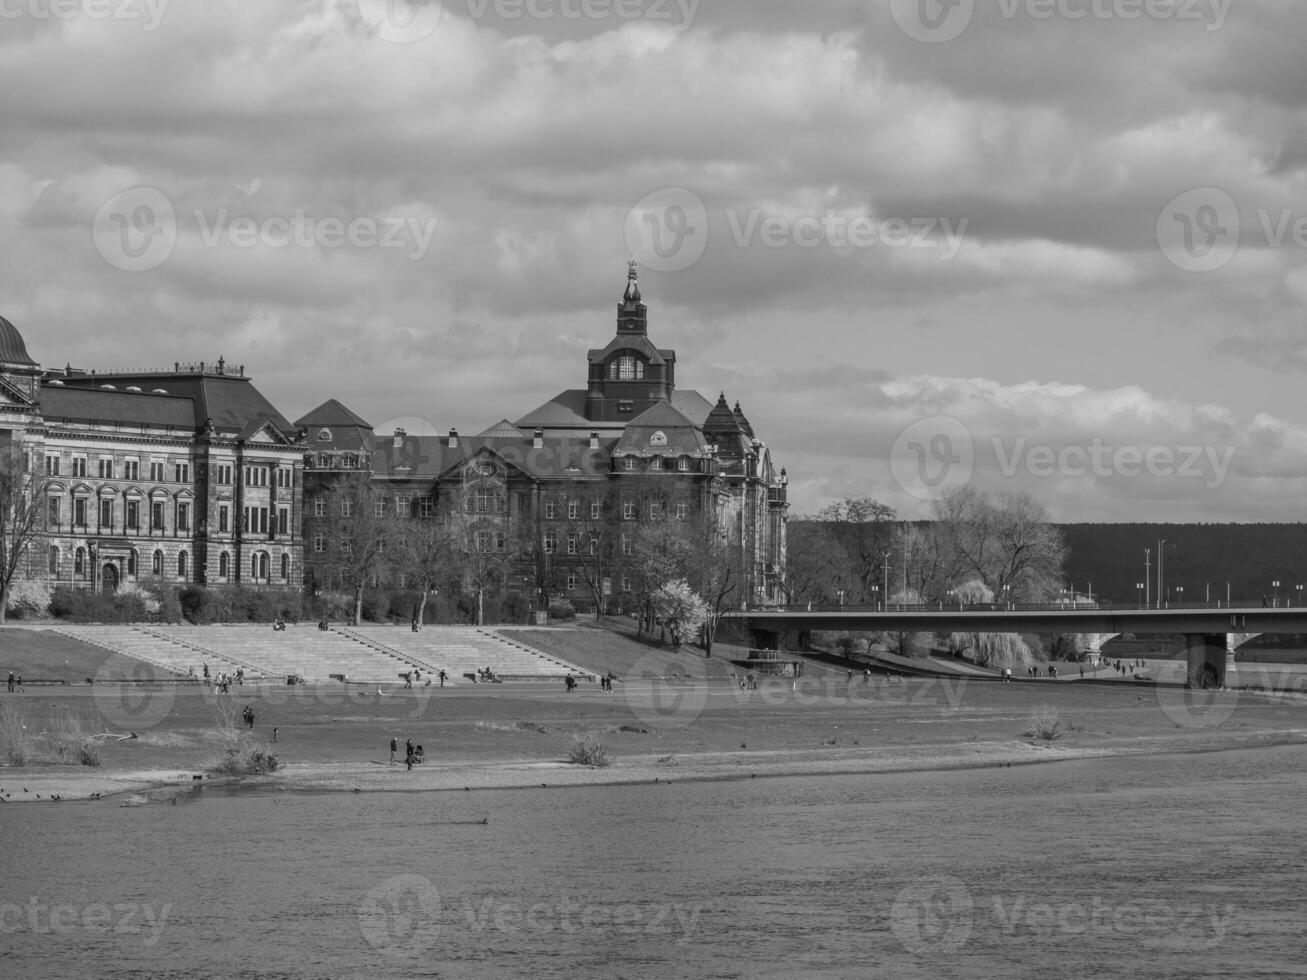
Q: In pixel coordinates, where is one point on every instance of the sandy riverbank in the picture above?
(334, 741)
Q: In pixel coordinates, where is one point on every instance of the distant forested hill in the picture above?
(1249, 556)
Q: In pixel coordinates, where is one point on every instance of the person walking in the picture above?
(11, 682)
(443, 675)
(394, 747)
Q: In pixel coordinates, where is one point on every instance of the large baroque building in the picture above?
(557, 497)
(165, 477)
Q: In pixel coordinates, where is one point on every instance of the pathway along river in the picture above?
(1175, 866)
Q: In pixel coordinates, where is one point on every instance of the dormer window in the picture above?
(658, 439)
(626, 368)
(324, 435)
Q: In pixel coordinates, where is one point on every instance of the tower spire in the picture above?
(632, 282)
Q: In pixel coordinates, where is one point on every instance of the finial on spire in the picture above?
(631, 272)
(632, 294)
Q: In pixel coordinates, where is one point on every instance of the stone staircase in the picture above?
(463, 650)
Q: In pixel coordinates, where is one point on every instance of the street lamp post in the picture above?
(886, 557)
(1179, 595)
(1148, 576)
(1161, 543)
(1139, 589)
(1275, 593)
(875, 596)
(1298, 589)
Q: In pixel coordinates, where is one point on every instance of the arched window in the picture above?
(131, 564)
(54, 562)
(79, 562)
(222, 565)
(157, 566)
(263, 564)
(181, 564)
(626, 368)
(285, 567)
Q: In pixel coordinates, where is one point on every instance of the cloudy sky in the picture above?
(1048, 245)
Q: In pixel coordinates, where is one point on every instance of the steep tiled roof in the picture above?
(126, 408)
(230, 401)
(633, 342)
(332, 413)
(12, 348)
(661, 431)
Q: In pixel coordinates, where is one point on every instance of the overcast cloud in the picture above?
(1050, 245)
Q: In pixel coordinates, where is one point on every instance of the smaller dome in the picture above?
(12, 348)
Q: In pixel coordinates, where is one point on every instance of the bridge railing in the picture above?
(944, 605)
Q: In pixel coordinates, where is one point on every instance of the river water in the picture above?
(1177, 866)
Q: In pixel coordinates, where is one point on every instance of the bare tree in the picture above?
(592, 539)
(711, 560)
(865, 527)
(22, 511)
(1007, 543)
(817, 566)
(426, 553)
(356, 534)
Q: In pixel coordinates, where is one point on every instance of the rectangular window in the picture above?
(156, 471)
(79, 511)
(594, 544)
(53, 513)
(181, 472)
(224, 518)
(283, 520)
(573, 510)
(681, 510)
(379, 508)
(594, 510)
(284, 477)
(79, 466)
(626, 544)
(403, 505)
(625, 408)
(319, 507)
(347, 508)
(571, 583)
(319, 543)
(628, 510)
(571, 544)
(626, 583)
(183, 517)
(133, 515)
(132, 469)
(551, 542)
(52, 466)
(549, 510)
(156, 515)
(426, 507)
(629, 463)
(656, 463)
(683, 465)
(106, 514)
(484, 541)
(655, 509)
(104, 469)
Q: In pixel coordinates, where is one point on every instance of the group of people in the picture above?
(413, 755)
(15, 682)
(248, 715)
(279, 625)
(486, 674)
(223, 681)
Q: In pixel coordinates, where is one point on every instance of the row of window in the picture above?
(255, 520)
(403, 505)
(130, 469)
(260, 564)
(630, 509)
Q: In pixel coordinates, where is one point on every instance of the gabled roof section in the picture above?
(230, 400)
(332, 414)
(661, 431)
(503, 429)
(567, 408)
(254, 427)
(13, 393)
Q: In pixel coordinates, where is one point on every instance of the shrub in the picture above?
(588, 750)
(1045, 725)
(236, 751)
(27, 598)
(14, 740)
(562, 610)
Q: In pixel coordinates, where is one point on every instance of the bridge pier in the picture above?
(1210, 659)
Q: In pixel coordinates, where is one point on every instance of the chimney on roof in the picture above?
(538, 440)
(594, 440)
(398, 442)
(453, 438)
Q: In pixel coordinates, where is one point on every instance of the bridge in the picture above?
(1211, 633)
